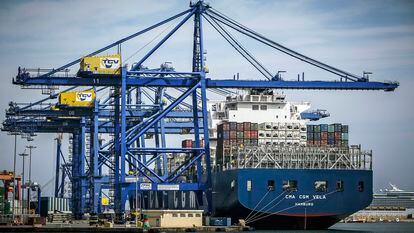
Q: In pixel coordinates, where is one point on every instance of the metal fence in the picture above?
(299, 157)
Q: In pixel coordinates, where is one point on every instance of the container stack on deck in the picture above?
(328, 135)
(231, 135)
(273, 133)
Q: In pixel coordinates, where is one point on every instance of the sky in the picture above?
(356, 36)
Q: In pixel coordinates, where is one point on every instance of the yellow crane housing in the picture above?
(77, 99)
(107, 64)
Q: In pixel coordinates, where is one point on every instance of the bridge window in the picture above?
(249, 185)
(182, 215)
(361, 186)
(270, 185)
(233, 107)
(339, 185)
(290, 185)
(321, 186)
(263, 107)
(255, 107)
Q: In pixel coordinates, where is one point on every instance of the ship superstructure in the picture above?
(256, 106)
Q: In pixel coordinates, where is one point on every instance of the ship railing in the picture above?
(299, 157)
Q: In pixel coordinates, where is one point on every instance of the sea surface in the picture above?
(359, 228)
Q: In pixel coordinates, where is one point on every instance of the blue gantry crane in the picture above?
(130, 160)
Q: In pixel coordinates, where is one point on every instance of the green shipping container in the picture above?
(254, 126)
(7, 208)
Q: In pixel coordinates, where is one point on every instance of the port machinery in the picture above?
(128, 160)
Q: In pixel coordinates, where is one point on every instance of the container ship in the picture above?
(274, 171)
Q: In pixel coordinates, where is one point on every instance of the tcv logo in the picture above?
(81, 96)
(110, 63)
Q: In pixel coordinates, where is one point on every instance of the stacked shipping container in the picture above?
(231, 135)
(188, 143)
(328, 135)
(272, 133)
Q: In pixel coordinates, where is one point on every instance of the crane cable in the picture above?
(255, 35)
(154, 38)
(264, 209)
(268, 191)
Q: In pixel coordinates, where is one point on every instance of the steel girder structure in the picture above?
(128, 145)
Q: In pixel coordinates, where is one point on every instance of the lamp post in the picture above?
(30, 175)
(23, 155)
(14, 172)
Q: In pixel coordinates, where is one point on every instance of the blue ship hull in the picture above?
(304, 208)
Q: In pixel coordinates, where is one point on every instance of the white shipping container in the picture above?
(262, 126)
(262, 141)
(296, 126)
(303, 136)
(262, 134)
(303, 128)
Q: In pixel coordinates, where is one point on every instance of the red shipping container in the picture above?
(246, 134)
(324, 135)
(254, 134)
(233, 142)
(233, 134)
(224, 126)
(188, 143)
(246, 125)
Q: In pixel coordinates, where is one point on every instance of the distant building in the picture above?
(389, 205)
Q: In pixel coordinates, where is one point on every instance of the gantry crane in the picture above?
(124, 115)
